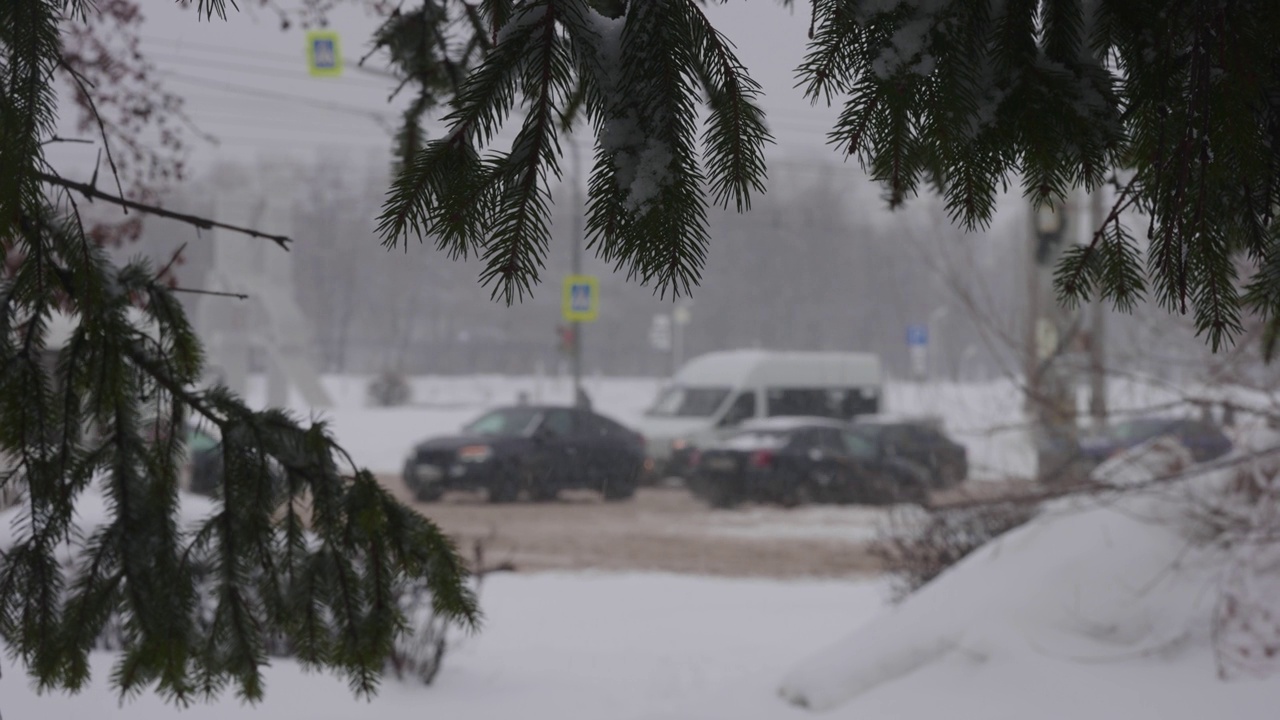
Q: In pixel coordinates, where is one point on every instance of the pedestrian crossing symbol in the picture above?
(581, 301)
(324, 57)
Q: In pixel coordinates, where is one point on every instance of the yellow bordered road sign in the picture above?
(580, 301)
(324, 55)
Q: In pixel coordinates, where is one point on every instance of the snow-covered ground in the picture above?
(558, 647)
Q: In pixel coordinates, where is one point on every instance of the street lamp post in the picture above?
(575, 327)
(937, 316)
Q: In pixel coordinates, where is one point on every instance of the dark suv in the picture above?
(922, 442)
(794, 461)
(537, 450)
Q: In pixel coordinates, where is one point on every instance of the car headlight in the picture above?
(475, 453)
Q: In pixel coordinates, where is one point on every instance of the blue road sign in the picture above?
(581, 299)
(917, 335)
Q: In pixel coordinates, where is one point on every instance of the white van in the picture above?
(716, 392)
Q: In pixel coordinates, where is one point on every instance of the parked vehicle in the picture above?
(712, 394)
(922, 441)
(204, 462)
(538, 450)
(202, 470)
(798, 460)
(1203, 439)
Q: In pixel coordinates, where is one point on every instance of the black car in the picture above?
(538, 450)
(922, 442)
(1203, 439)
(792, 461)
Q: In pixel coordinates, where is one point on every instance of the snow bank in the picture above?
(554, 647)
(1104, 608)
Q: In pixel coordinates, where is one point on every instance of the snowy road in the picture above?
(661, 530)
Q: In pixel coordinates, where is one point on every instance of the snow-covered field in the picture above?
(558, 647)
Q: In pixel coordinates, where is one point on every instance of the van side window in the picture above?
(743, 408)
(840, 403)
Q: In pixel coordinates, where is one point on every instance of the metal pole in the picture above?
(1033, 314)
(679, 319)
(1097, 328)
(935, 348)
(576, 268)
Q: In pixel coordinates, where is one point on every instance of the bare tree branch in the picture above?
(92, 193)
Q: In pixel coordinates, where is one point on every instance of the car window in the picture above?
(559, 422)
(829, 439)
(588, 424)
(858, 446)
(689, 402)
(513, 421)
(925, 436)
(743, 408)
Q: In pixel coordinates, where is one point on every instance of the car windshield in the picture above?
(691, 402)
(515, 421)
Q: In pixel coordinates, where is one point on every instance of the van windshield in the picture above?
(693, 402)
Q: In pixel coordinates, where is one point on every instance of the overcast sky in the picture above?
(245, 81)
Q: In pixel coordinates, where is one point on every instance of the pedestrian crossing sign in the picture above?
(581, 298)
(324, 57)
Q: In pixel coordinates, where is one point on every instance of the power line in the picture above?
(788, 117)
(296, 74)
(249, 90)
(288, 58)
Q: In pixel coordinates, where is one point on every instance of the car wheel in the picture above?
(622, 486)
(799, 496)
(428, 493)
(721, 494)
(544, 490)
(505, 485)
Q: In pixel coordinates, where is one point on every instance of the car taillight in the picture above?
(695, 457)
(762, 459)
(640, 439)
(475, 453)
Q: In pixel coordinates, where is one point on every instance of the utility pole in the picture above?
(575, 327)
(680, 317)
(1097, 326)
(1050, 386)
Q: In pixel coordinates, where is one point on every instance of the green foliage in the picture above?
(637, 73)
(313, 560)
(971, 94)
